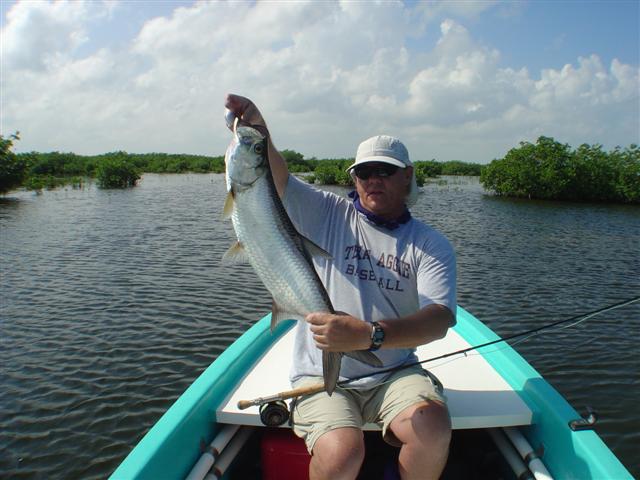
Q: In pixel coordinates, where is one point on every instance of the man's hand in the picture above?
(247, 112)
(339, 332)
(249, 115)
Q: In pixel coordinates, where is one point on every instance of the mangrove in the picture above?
(550, 170)
(546, 170)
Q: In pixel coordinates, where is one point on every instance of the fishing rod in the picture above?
(278, 398)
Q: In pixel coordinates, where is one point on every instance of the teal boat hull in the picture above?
(173, 445)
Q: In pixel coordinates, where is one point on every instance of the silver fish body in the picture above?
(267, 239)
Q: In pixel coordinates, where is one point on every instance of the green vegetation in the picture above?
(117, 172)
(551, 170)
(296, 162)
(13, 169)
(36, 171)
(333, 172)
(68, 164)
(544, 170)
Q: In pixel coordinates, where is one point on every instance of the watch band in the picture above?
(377, 336)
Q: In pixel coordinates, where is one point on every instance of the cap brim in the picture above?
(377, 159)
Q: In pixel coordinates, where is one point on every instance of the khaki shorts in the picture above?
(317, 414)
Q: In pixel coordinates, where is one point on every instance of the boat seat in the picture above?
(477, 396)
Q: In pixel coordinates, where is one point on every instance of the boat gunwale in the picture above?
(549, 431)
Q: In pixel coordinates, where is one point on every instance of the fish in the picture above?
(281, 257)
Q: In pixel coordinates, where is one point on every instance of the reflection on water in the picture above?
(113, 302)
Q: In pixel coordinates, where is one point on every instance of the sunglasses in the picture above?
(382, 170)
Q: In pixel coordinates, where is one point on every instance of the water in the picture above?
(113, 302)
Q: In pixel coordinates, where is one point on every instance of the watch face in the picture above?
(377, 337)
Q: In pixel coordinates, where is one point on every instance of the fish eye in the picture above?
(258, 148)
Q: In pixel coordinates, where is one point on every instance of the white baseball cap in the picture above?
(386, 149)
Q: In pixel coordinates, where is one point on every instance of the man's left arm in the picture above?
(342, 333)
(428, 324)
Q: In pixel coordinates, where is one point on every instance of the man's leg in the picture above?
(414, 416)
(331, 429)
(337, 454)
(424, 429)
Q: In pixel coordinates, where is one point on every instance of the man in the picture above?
(395, 276)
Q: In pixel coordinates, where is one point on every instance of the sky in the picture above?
(454, 80)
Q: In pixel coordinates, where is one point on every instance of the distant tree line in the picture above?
(552, 170)
(544, 170)
(35, 170)
(333, 171)
(12, 168)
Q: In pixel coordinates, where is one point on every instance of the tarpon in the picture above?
(267, 239)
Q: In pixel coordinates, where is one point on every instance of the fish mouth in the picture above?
(230, 119)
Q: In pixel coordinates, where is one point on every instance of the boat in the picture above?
(507, 420)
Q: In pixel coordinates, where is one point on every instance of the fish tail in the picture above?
(331, 362)
(365, 356)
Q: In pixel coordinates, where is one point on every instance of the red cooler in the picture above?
(284, 455)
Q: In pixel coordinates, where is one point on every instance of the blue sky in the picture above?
(454, 80)
(549, 34)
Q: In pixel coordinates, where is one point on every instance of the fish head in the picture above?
(246, 158)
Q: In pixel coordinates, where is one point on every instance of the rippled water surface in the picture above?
(113, 302)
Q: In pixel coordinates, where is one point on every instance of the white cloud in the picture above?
(40, 35)
(326, 75)
(430, 10)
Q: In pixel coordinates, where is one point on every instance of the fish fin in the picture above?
(314, 250)
(331, 362)
(235, 255)
(227, 210)
(365, 356)
(278, 315)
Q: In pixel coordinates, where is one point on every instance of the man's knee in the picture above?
(427, 423)
(337, 454)
(425, 432)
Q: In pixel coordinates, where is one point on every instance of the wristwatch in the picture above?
(377, 336)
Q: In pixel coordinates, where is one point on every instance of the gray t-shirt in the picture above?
(374, 273)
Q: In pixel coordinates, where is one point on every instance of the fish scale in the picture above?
(277, 272)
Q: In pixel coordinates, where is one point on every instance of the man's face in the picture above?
(383, 192)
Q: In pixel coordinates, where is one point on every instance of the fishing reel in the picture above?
(274, 414)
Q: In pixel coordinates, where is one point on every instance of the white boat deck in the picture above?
(477, 396)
